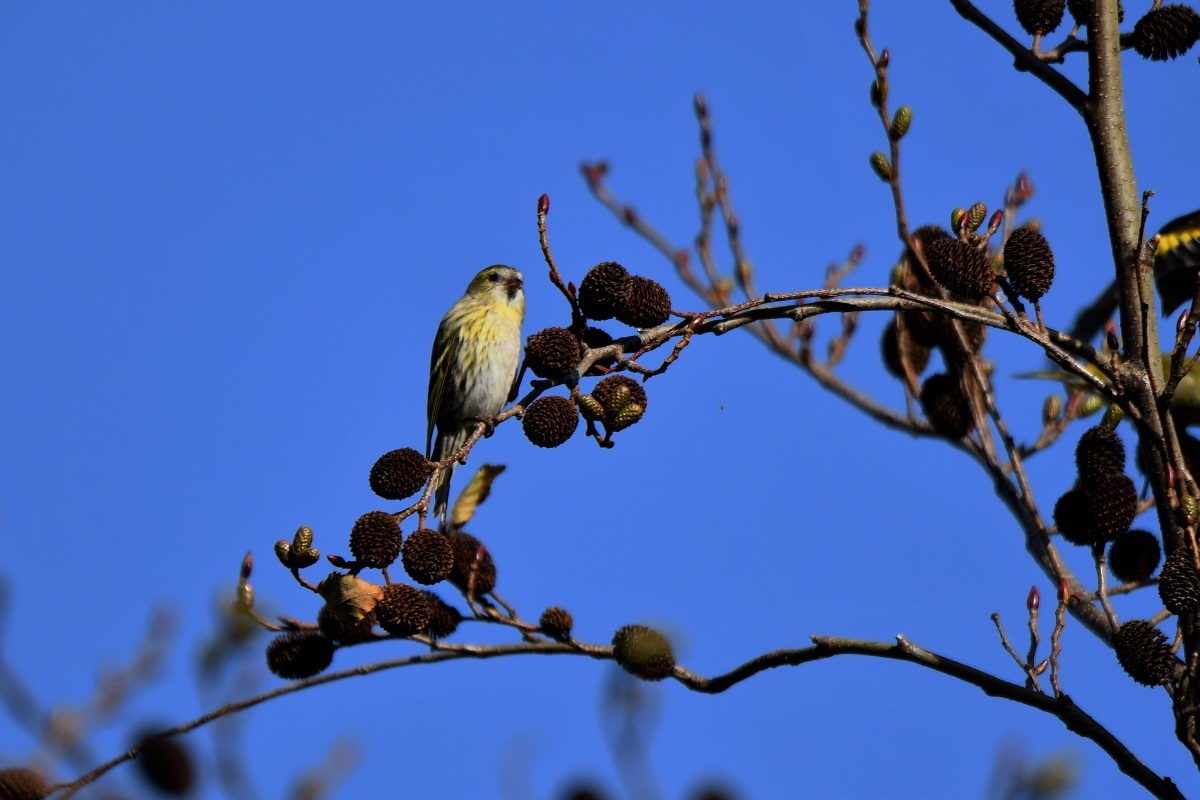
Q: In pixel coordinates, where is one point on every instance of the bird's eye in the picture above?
(493, 277)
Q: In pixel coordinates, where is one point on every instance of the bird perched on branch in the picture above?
(1185, 403)
(473, 370)
(1176, 266)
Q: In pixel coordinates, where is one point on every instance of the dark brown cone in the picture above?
(1114, 505)
(643, 652)
(443, 617)
(1179, 583)
(945, 406)
(1081, 11)
(1144, 654)
(341, 630)
(428, 556)
(1166, 32)
(375, 539)
(22, 783)
(917, 354)
(549, 421)
(299, 654)
(1039, 17)
(1134, 555)
(466, 547)
(552, 352)
(1029, 263)
(961, 268)
(165, 764)
(610, 393)
(556, 623)
(647, 305)
(1100, 455)
(1073, 518)
(403, 611)
(399, 474)
(603, 291)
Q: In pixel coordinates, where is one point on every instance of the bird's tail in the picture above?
(445, 446)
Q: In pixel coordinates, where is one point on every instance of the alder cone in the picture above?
(299, 654)
(1179, 583)
(1134, 555)
(1166, 32)
(1144, 654)
(1039, 17)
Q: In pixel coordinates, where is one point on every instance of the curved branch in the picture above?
(1072, 716)
(1075, 719)
(1024, 59)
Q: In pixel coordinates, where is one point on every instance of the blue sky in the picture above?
(230, 231)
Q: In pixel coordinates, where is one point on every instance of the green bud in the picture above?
(283, 551)
(1092, 403)
(303, 538)
(616, 401)
(1188, 504)
(900, 122)
(628, 415)
(876, 93)
(1051, 409)
(955, 217)
(880, 164)
(897, 276)
(1112, 417)
(977, 214)
(590, 408)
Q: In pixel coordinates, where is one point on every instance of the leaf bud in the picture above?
(977, 214)
(900, 122)
(880, 164)
(1051, 409)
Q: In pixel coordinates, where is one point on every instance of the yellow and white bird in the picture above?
(473, 370)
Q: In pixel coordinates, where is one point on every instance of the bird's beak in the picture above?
(513, 285)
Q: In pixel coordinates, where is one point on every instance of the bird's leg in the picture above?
(488, 421)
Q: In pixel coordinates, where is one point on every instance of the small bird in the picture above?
(473, 370)
(1185, 404)
(1176, 265)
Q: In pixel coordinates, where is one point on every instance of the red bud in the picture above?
(858, 253)
(247, 566)
(629, 215)
(701, 105)
(544, 205)
(1181, 323)
(681, 258)
(1064, 591)
(884, 58)
(1034, 600)
(337, 561)
(997, 218)
(1110, 338)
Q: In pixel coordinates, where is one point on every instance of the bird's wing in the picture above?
(516, 384)
(1091, 320)
(445, 353)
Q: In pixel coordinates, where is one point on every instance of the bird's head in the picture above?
(497, 283)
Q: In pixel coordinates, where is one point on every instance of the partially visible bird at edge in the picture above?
(473, 369)
(1176, 265)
